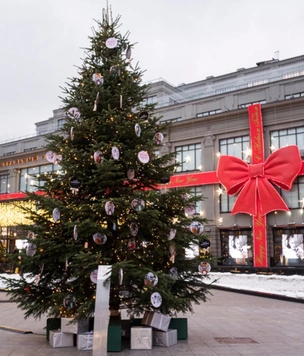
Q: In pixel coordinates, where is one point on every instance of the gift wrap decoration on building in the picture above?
(253, 181)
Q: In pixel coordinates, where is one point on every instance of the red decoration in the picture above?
(253, 180)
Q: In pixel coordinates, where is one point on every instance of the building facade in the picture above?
(209, 119)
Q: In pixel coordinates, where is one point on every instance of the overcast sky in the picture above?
(180, 41)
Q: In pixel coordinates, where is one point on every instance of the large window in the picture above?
(197, 192)
(282, 138)
(4, 184)
(28, 176)
(288, 246)
(189, 157)
(237, 147)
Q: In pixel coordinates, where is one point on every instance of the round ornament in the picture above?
(52, 157)
(143, 157)
(196, 228)
(75, 183)
(138, 204)
(131, 173)
(100, 239)
(158, 137)
(143, 115)
(31, 249)
(75, 232)
(172, 234)
(93, 276)
(115, 152)
(124, 294)
(73, 113)
(204, 244)
(56, 214)
(115, 71)
(111, 42)
(98, 157)
(97, 78)
(151, 279)
(204, 267)
(72, 134)
(165, 180)
(190, 209)
(30, 235)
(156, 299)
(109, 207)
(128, 53)
(69, 301)
(133, 229)
(137, 129)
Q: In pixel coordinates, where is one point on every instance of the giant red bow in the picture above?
(280, 168)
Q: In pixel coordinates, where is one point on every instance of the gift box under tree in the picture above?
(141, 338)
(59, 339)
(68, 325)
(156, 320)
(181, 326)
(164, 338)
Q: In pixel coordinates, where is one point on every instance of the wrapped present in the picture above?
(60, 339)
(164, 338)
(52, 324)
(85, 341)
(68, 325)
(181, 325)
(114, 335)
(156, 320)
(141, 338)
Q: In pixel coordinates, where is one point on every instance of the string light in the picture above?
(220, 191)
(247, 152)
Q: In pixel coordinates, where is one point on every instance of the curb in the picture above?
(259, 294)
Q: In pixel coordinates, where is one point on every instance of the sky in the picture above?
(179, 41)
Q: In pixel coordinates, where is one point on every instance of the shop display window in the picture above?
(237, 247)
(288, 246)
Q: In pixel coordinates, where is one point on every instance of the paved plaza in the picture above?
(229, 324)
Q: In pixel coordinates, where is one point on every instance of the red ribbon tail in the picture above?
(246, 202)
(270, 200)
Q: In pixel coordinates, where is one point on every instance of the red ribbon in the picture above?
(254, 180)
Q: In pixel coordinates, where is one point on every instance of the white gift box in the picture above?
(72, 327)
(141, 338)
(156, 320)
(85, 341)
(60, 339)
(164, 338)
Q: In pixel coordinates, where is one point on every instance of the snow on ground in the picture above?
(283, 285)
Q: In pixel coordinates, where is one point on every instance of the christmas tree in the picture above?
(108, 204)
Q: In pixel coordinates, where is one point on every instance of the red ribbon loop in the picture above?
(254, 180)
